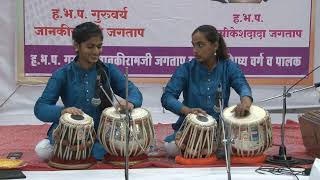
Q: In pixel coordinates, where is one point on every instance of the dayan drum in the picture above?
(252, 134)
(73, 142)
(197, 137)
(112, 132)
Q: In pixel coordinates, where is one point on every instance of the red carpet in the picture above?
(24, 138)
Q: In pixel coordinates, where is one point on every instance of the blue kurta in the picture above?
(199, 86)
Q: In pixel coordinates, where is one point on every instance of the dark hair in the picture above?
(212, 35)
(85, 31)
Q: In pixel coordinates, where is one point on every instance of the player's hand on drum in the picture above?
(72, 110)
(122, 105)
(186, 110)
(243, 109)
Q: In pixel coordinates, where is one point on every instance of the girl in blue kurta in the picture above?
(199, 80)
(75, 83)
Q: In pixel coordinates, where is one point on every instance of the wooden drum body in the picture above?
(112, 128)
(309, 126)
(252, 134)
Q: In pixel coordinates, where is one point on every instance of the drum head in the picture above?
(137, 113)
(202, 120)
(256, 114)
(76, 119)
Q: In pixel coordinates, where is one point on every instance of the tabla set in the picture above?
(75, 135)
(199, 138)
(200, 135)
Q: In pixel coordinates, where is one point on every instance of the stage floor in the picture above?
(219, 173)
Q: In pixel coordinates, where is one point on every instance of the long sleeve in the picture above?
(238, 81)
(175, 86)
(118, 84)
(45, 108)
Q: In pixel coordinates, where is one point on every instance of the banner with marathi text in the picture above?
(269, 39)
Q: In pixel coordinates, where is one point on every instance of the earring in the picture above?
(215, 53)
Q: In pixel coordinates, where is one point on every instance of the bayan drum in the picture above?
(73, 142)
(252, 134)
(197, 137)
(112, 128)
